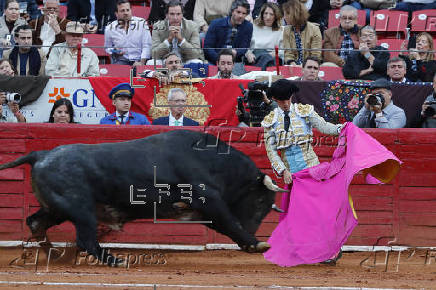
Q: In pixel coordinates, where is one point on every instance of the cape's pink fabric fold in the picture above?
(319, 218)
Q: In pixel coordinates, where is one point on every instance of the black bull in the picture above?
(180, 173)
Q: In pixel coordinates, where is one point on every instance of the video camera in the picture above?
(376, 99)
(13, 97)
(255, 109)
(430, 111)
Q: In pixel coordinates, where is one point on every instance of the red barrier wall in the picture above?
(403, 211)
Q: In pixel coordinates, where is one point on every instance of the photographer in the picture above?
(10, 111)
(428, 113)
(258, 103)
(379, 111)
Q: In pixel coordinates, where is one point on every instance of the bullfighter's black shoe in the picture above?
(332, 262)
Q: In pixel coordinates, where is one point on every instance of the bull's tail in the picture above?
(30, 158)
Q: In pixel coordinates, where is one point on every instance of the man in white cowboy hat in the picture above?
(63, 57)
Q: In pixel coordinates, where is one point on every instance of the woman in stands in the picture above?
(62, 112)
(421, 65)
(9, 21)
(267, 33)
(300, 34)
(6, 67)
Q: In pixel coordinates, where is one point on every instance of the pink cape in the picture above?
(319, 218)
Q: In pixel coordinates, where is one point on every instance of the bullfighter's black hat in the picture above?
(282, 89)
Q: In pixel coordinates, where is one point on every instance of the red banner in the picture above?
(210, 102)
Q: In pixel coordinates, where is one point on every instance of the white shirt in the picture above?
(172, 121)
(7, 115)
(135, 43)
(47, 36)
(125, 117)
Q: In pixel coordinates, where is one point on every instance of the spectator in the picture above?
(104, 13)
(128, 38)
(26, 59)
(157, 11)
(344, 38)
(63, 57)
(48, 28)
(225, 65)
(177, 104)
(62, 112)
(6, 68)
(319, 11)
(10, 110)
(29, 9)
(121, 96)
(383, 113)
(420, 61)
(428, 113)
(414, 5)
(174, 64)
(397, 69)
(9, 21)
(301, 37)
(310, 70)
(206, 10)
(370, 62)
(267, 33)
(230, 32)
(176, 34)
(259, 3)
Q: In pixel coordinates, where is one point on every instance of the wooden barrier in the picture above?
(402, 212)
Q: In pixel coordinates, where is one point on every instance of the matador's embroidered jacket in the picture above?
(296, 152)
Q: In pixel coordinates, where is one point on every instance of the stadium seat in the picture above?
(249, 68)
(213, 70)
(141, 11)
(287, 71)
(330, 73)
(114, 70)
(388, 21)
(63, 11)
(334, 18)
(391, 44)
(96, 43)
(424, 20)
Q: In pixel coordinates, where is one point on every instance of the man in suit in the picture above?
(397, 69)
(176, 34)
(121, 96)
(177, 103)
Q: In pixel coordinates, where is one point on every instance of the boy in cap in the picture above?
(288, 128)
(121, 96)
(382, 113)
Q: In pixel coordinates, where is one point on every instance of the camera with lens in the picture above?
(13, 97)
(430, 111)
(255, 109)
(376, 99)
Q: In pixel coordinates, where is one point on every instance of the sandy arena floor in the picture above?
(212, 269)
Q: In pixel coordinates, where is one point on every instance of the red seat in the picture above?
(330, 73)
(287, 71)
(96, 43)
(249, 68)
(389, 21)
(141, 11)
(213, 70)
(391, 44)
(63, 11)
(334, 18)
(424, 20)
(114, 70)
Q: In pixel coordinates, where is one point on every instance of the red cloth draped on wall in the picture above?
(221, 95)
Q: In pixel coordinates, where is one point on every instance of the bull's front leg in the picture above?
(224, 222)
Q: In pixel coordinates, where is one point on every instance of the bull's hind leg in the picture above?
(224, 222)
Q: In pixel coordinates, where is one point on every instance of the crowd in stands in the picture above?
(35, 39)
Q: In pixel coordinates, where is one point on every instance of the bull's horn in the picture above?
(262, 247)
(276, 208)
(267, 181)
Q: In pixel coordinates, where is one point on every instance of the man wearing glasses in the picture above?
(48, 27)
(342, 39)
(370, 61)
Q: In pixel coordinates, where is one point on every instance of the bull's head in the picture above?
(256, 203)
